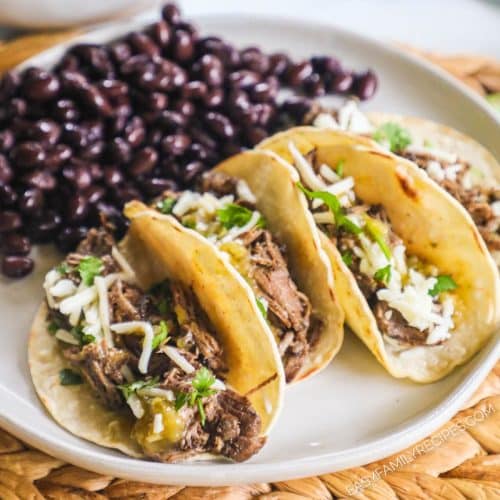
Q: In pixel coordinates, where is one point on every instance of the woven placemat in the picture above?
(459, 461)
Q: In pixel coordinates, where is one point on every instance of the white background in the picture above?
(451, 26)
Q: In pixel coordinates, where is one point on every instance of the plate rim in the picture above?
(193, 474)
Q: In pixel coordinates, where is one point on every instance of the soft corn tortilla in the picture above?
(447, 139)
(434, 227)
(157, 251)
(272, 181)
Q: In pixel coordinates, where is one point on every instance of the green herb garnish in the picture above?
(262, 305)
(82, 337)
(69, 377)
(236, 215)
(166, 205)
(88, 268)
(189, 222)
(383, 274)
(340, 168)
(202, 383)
(132, 387)
(333, 203)
(347, 258)
(444, 283)
(53, 326)
(63, 268)
(397, 136)
(161, 335)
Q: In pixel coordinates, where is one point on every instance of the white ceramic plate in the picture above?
(352, 412)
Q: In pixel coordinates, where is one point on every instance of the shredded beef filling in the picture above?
(232, 426)
(289, 310)
(476, 200)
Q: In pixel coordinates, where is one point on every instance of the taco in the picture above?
(157, 350)
(413, 275)
(459, 164)
(248, 208)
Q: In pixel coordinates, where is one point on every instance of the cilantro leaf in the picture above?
(333, 203)
(262, 305)
(189, 222)
(166, 205)
(444, 283)
(347, 258)
(236, 215)
(383, 274)
(132, 387)
(69, 377)
(88, 268)
(83, 338)
(161, 335)
(340, 168)
(397, 136)
(202, 383)
(63, 268)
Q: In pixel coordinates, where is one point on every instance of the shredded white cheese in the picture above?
(63, 288)
(178, 359)
(50, 280)
(158, 423)
(157, 392)
(325, 120)
(328, 174)
(65, 336)
(323, 217)
(147, 343)
(102, 285)
(350, 118)
(435, 170)
(75, 303)
(136, 406)
(307, 173)
(244, 192)
(129, 273)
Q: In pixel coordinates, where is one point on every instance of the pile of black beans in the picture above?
(130, 119)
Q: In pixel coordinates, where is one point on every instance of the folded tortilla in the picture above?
(156, 251)
(433, 226)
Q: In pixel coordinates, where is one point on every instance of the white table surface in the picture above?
(451, 26)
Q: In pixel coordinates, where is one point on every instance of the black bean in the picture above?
(297, 73)
(134, 132)
(8, 196)
(65, 110)
(31, 201)
(113, 90)
(16, 266)
(78, 176)
(254, 135)
(7, 140)
(143, 161)
(76, 208)
(92, 151)
(243, 79)
(314, 85)
(155, 186)
(214, 98)
(220, 125)
(182, 46)
(324, 64)
(119, 151)
(120, 51)
(279, 64)
(45, 130)
(341, 82)
(41, 86)
(194, 90)
(75, 135)
(9, 221)
(143, 44)
(365, 85)
(175, 144)
(5, 170)
(112, 175)
(94, 194)
(171, 120)
(40, 179)
(55, 157)
(94, 101)
(9, 83)
(192, 170)
(161, 33)
(210, 70)
(28, 154)
(16, 244)
(262, 92)
(171, 13)
(297, 107)
(42, 229)
(185, 107)
(16, 107)
(253, 59)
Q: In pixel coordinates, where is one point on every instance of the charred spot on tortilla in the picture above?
(406, 182)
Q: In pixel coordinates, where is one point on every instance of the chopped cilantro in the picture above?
(83, 338)
(444, 283)
(52, 327)
(262, 305)
(189, 223)
(347, 257)
(132, 387)
(69, 377)
(161, 335)
(333, 203)
(340, 168)
(166, 205)
(236, 215)
(63, 268)
(397, 136)
(163, 307)
(383, 274)
(88, 268)
(202, 383)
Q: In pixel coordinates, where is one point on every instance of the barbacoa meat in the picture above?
(231, 429)
(477, 200)
(289, 309)
(193, 321)
(101, 368)
(218, 183)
